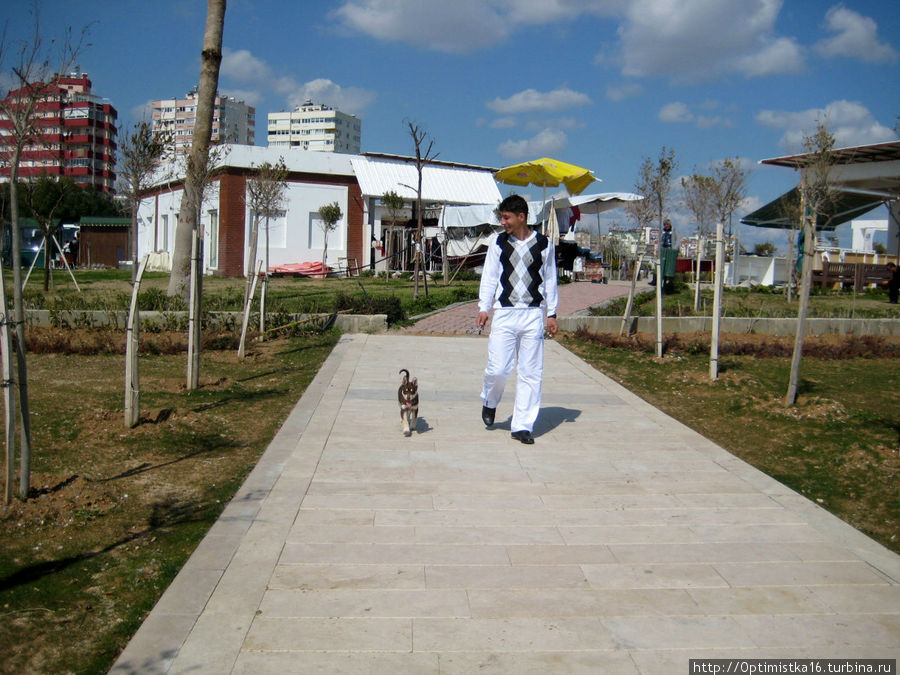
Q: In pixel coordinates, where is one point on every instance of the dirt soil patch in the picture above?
(113, 512)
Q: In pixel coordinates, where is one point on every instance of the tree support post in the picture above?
(717, 302)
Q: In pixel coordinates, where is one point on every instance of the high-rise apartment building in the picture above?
(77, 133)
(313, 126)
(233, 121)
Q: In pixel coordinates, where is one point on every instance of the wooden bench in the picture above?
(858, 274)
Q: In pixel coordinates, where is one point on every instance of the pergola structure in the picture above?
(866, 177)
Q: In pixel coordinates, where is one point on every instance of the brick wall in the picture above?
(232, 224)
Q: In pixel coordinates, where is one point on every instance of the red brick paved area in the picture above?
(572, 298)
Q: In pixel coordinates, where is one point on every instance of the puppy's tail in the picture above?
(404, 370)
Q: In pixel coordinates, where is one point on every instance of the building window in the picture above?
(164, 239)
(214, 239)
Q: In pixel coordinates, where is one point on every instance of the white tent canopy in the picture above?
(464, 224)
(442, 182)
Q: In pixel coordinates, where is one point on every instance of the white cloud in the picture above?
(461, 26)
(241, 65)
(680, 113)
(248, 96)
(531, 100)
(623, 91)
(142, 112)
(855, 36)
(850, 122)
(693, 40)
(351, 100)
(782, 55)
(537, 12)
(676, 113)
(547, 142)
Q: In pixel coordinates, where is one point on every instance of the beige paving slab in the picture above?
(365, 602)
(511, 634)
(328, 634)
(609, 662)
(621, 542)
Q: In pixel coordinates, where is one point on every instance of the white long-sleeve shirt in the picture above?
(519, 273)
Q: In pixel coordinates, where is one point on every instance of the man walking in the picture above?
(519, 283)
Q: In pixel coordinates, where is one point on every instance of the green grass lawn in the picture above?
(761, 302)
(110, 290)
(839, 445)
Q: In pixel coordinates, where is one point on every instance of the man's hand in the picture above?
(552, 326)
(482, 319)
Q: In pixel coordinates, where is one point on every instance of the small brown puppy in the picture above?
(408, 395)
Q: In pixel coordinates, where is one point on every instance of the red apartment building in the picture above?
(77, 134)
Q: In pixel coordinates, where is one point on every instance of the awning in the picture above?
(596, 203)
(848, 206)
(442, 182)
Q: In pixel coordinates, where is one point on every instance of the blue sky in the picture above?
(597, 83)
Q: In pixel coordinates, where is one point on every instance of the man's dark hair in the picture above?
(513, 204)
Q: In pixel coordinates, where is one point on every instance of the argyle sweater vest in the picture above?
(519, 274)
(520, 279)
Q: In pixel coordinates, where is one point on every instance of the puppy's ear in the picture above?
(415, 381)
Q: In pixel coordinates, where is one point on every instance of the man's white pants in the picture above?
(516, 335)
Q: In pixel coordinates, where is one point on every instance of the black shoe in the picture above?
(487, 415)
(523, 437)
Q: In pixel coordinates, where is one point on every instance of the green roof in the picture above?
(104, 222)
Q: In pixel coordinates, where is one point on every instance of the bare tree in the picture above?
(203, 182)
(698, 194)
(422, 158)
(198, 159)
(730, 181)
(655, 183)
(33, 70)
(265, 197)
(816, 197)
(140, 152)
(641, 211)
(330, 215)
(44, 199)
(393, 203)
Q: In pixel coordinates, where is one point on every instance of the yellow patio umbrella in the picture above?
(547, 172)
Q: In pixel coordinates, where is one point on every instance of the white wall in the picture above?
(293, 239)
(298, 237)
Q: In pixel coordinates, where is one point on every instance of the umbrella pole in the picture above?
(543, 210)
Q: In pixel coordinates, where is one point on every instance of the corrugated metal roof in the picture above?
(880, 152)
(442, 182)
(846, 207)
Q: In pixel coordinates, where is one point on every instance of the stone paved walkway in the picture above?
(620, 542)
(574, 297)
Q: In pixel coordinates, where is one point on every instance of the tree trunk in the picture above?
(790, 267)
(132, 378)
(659, 306)
(717, 302)
(699, 260)
(191, 201)
(252, 266)
(19, 323)
(245, 320)
(626, 317)
(803, 309)
(9, 398)
(134, 237)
